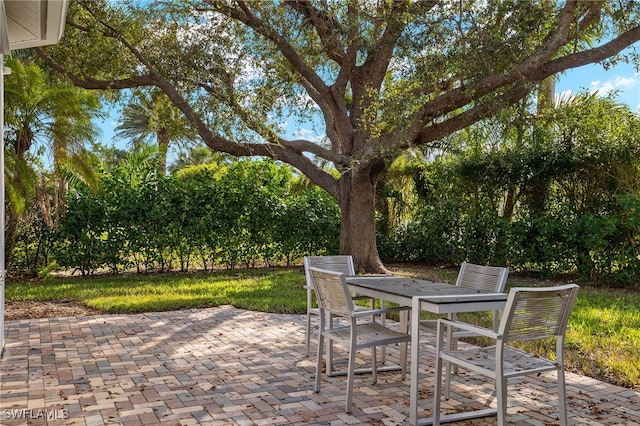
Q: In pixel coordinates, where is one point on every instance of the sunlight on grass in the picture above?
(273, 290)
(604, 335)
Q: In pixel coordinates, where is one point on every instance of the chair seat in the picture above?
(515, 360)
(369, 334)
(431, 326)
(316, 311)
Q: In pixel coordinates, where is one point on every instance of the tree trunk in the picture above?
(163, 149)
(510, 203)
(11, 229)
(358, 225)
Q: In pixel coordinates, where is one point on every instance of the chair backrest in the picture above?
(332, 292)
(342, 263)
(537, 313)
(489, 278)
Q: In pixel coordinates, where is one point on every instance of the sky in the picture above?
(622, 78)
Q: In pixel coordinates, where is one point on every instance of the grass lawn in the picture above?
(603, 340)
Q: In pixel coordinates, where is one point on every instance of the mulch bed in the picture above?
(28, 309)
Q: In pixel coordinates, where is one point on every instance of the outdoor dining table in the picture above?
(423, 295)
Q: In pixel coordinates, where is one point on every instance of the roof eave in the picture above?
(31, 23)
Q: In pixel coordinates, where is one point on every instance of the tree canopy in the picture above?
(379, 76)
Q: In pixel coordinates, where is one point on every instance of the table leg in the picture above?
(415, 361)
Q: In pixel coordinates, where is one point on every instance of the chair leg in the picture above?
(350, 374)
(403, 360)
(447, 380)
(562, 396)
(437, 394)
(383, 321)
(330, 348)
(452, 347)
(404, 321)
(501, 396)
(452, 344)
(308, 336)
(319, 362)
(309, 313)
(374, 364)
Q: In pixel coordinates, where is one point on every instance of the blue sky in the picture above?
(622, 78)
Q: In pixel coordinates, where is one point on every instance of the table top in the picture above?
(429, 291)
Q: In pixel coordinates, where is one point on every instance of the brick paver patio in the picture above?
(226, 366)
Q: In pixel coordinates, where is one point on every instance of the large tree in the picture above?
(380, 76)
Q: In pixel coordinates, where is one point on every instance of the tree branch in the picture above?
(464, 94)
(421, 132)
(533, 69)
(313, 83)
(590, 56)
(302, 145)
(328, 29)
(94, 84)
(484, 110)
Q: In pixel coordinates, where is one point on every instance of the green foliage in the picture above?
(43, 116)
(308, 222)
(377, 77)
(34, 242)
(561, 196)
(235, 214)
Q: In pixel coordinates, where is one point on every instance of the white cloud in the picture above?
(617, 83)
(307, 134)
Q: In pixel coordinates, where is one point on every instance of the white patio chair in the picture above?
(332, 294)
(489, 278)
(530, 314)
(343, 264)
(337, 263)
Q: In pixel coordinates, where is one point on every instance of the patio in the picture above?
(229, 366)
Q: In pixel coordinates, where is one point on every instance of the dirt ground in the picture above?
(38, 309)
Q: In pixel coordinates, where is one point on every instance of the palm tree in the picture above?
(198, 155)
(43, 116)
(151, 115)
